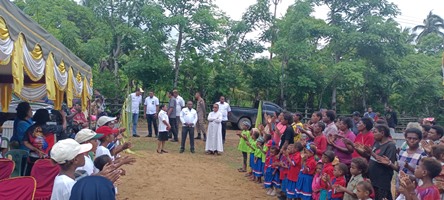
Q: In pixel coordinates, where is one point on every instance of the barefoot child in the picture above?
(363, 190)
(305, 179)
(339, 181)
(244, 136)
(252, 144)
(357, 168)
(270, 170)
(259, 157)
(294, 159)
(427, 169)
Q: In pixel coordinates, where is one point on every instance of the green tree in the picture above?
(432, 24)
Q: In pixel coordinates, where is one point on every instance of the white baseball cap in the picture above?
(104, 119)
(67, 149)
(85, 135)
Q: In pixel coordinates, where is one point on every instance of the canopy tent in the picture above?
(33, 63)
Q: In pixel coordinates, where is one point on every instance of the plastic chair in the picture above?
(6, 168)
(44, 171)
(18, 188)
(18, 155)
(6, 141)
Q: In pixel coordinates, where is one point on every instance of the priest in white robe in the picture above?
(214, 143)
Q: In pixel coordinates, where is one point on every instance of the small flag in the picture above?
(259, 115)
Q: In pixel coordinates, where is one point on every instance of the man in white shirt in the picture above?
(180, 103)
(150, 108)
(86, 136)
(188, 117)
(225, 109)
(69, 155)
(136, 100)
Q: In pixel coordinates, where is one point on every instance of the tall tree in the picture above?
(432, 24)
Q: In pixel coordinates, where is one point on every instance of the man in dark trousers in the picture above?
(392, 118)
(172, 117)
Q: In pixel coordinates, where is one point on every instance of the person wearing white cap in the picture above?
(136, 100)
(69, 155)
(87, 136)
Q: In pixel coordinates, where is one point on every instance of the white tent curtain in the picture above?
(6, 47)
(33, 66)
(32, 93)
(78, 87)
(60, 78)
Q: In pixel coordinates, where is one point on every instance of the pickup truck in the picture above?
(241, 114)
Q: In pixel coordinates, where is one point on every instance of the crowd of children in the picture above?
(334, 165)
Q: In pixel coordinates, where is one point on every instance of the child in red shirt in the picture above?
(327, 173)
(304, 188)
(270, 170)
(320, 141)
(283, 171)
(295, 164)
(340, 171)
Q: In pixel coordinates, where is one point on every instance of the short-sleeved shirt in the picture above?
(163, 116)
(366, 139)
(88, 167)
(243, 143)
(338, 181)
(61, 190)
(101, 150)
(287, 135)
(342, 156)
(135, 103)
(427, 193)
(172, 104)
(351, 186)
(331, 129)
(295, 166)
(412, 159)
(439, 180)
(380, 174)
(224, 109)
(310, 164)
(321, 145)
(180, 103)
(151, 104)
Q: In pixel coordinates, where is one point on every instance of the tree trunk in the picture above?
(273, 32)
(283, 100)
(333, 97)
(177, 56)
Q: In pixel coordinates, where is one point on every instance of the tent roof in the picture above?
(18, 22)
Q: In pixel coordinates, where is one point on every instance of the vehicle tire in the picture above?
(240, 122)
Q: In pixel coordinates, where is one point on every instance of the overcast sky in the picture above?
(413, 12)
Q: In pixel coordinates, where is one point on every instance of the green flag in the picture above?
(259, 115)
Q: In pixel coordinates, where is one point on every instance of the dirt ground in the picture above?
(186, 176)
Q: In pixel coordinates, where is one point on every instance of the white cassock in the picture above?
(214, 136)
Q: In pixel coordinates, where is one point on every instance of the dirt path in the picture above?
(186, 176)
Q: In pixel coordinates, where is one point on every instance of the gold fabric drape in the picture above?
(85, 95)
(6, 96)
(58, 102)
(4, 32)
(49, 78)
(18, 64)
(69, 89)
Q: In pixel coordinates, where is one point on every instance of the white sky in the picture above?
(413, 12)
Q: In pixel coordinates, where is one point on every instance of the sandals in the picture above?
(241, 170)
(159, 152)
(163, 151)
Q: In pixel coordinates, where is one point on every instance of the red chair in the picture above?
(6, 168)
(44, 171)
(18, 188)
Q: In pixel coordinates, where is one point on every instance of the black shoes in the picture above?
(181, 151)
(136, 135)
